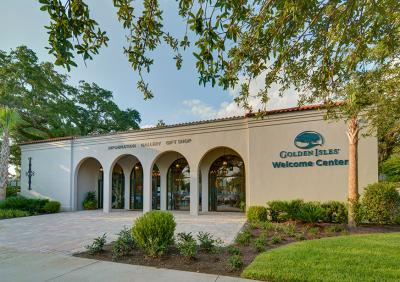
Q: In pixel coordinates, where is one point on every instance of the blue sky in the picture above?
(178, 96)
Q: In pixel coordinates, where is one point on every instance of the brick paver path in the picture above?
(70, 232)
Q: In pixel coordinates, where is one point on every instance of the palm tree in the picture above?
(8, 121)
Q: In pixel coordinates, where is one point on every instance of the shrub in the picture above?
(154, 232)
(257, 214)
(207, 242)
(290, 230)
(10, 213)
(232, 250)
(278, 210)
(391, 168)
(254, 225)
(267, 226)
(52, 207)
(276, 239)
(243, 238)
(90, 202)
(381, 203)
(281, 211)
(98, 244)
(293, 209)
(186, 245)
(184, 236)
(242, 206)
(33, 206)
(235, 262)
(124, 244)
(334, 228)
(311, 212)
(300, 237)
(313, 231)
(334, 212)
(260, 243)
(12, 191)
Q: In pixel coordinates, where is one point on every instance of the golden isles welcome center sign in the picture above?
(309, 143)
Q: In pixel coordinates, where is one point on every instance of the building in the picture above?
(217, 165)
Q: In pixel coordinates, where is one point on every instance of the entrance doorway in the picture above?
(156, 188)
(118, 187)
(178, 185)
(227, 184)
(136, 191)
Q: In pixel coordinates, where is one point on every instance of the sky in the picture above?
(177, 95)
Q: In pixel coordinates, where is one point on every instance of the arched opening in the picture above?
(89, 179)
(226, 184)
(178, 185)
(118, 187)
(156, 188)
(136, 191)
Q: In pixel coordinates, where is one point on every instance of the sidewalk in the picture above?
(19, 266)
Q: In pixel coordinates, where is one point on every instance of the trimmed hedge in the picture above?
(52, 207)
(10, 213)
(12, 191)
(257, 214)
(33, 206)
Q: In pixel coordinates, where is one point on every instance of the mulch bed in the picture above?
(217, 263)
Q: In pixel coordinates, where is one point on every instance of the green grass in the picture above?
(374, 257)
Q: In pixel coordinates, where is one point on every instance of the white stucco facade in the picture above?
(274, 167)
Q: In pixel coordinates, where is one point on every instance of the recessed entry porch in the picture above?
(171, 182)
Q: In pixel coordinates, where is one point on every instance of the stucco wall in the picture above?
(51, 163)
(322, 183)
(257, 142)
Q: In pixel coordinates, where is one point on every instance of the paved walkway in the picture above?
(70, 232)
(21, 266)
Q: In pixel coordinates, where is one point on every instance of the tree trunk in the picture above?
(4, 159)
(352, 134)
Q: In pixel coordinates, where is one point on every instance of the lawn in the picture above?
(374, 257)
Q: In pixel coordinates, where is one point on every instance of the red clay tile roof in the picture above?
(48, 140)
(271, 112)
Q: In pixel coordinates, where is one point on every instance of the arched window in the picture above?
(136, 200)
(227, 184)
(178, 185)
(118, 187)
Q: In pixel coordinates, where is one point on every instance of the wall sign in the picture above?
(150, 144)
(307, 142)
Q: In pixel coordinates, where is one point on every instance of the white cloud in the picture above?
(200, 109)
(147, 126)
(230, 108)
